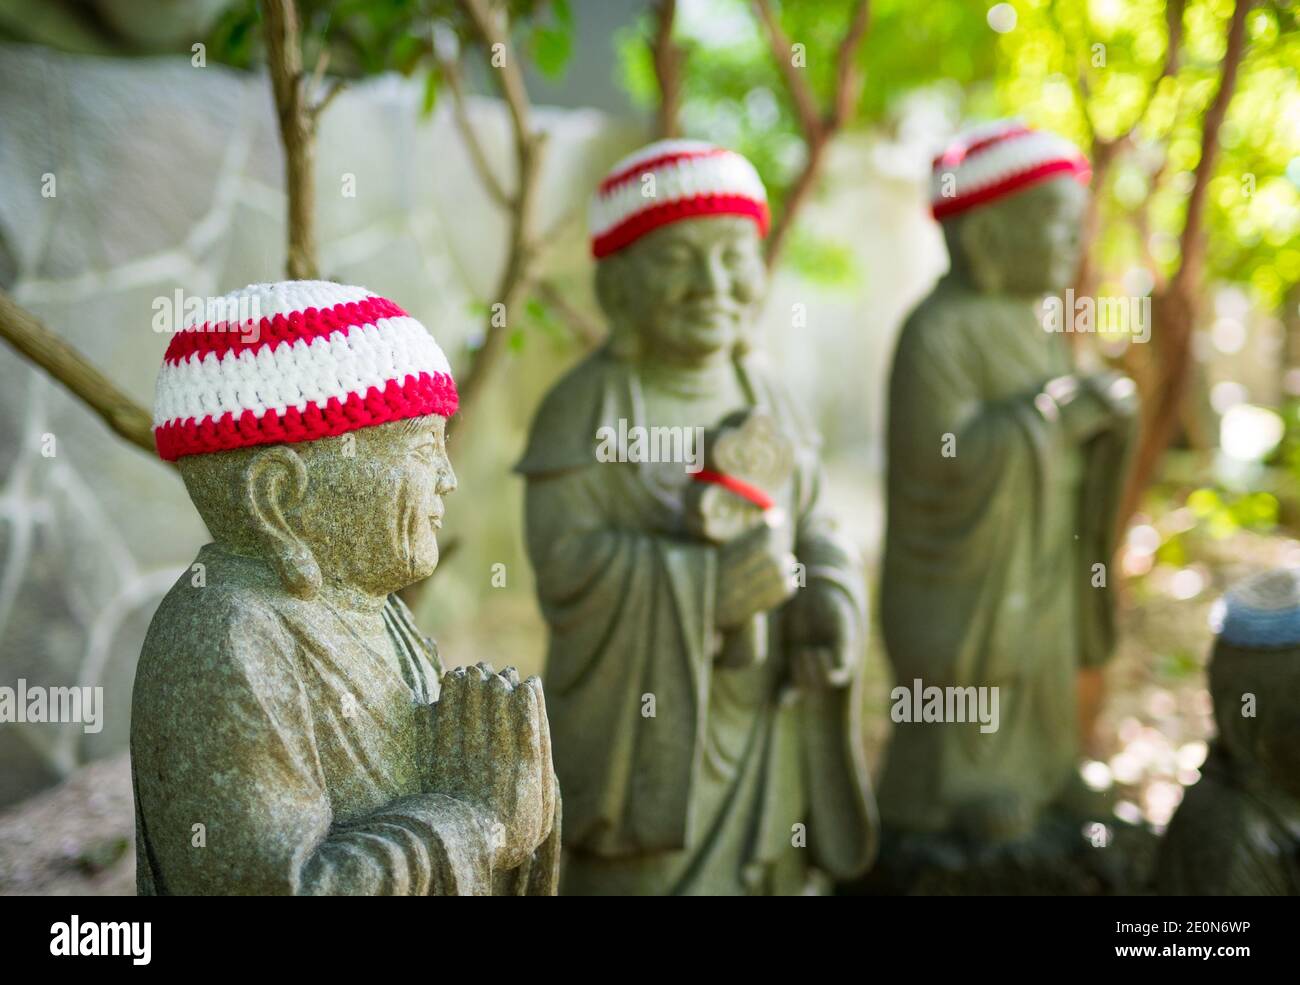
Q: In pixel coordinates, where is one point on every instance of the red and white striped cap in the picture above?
(671, 180)
(996, 160)
(295, 361)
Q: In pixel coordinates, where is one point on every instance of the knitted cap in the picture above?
(996, 160)
(295, 361)
(668, 181)
(1263, 612)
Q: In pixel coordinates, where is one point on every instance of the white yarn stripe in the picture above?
(1000, 162)
(663, 148)
(257, 301)
(296, 373)
(718, 174)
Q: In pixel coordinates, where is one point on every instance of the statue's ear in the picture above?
(980, 236)
(275, 481)
(613, 292)
(610, 292)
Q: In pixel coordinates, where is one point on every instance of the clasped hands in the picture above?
(492, 752)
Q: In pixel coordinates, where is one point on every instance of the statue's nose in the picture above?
(446, 480)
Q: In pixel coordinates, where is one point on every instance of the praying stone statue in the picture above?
(705, 624)
(1005, 468)
(1237, 831)
(292, 731)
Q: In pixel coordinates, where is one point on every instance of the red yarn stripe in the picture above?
(312, 323)
(650, 163)
(958, 153)
(741, 488)
(945, 207)
(416, 396)
(994, 139)
(636, 226)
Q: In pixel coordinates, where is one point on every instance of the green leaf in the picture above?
(430, 99)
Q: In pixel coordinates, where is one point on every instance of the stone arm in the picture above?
(944, 427)
(826, 637)
(826, 618)
(632, 642)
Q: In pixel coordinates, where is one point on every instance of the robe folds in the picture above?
(996, 521)
(274, 751)
(680, 776)
(1236, 833)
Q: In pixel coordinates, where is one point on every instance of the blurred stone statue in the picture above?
(292, 731)
(1006, 464)
(1237, 831)
(700, 698)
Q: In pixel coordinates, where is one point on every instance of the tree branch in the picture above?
(1192, 247)
(801, 93)
(817, 130)
(30, 336)
(668, 58)
(1174, 308)
(451, 75)
(846, 72)
(297, 119)
(515, 278)
(587, 330)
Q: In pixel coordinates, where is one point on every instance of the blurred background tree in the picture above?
(1190, 112)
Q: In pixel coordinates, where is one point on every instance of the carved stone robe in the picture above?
(1234, 834)
(275, 751)
(679, 776)
(996, 518)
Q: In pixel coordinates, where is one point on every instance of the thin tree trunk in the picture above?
(1174, 308)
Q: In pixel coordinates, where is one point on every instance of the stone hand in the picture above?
(1081, 408)
(755, 574)
(1116, 391)
(821, 627)
(492, 751)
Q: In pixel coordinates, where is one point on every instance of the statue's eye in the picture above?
(673, 256)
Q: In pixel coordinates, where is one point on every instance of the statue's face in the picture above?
(1279, 740)
(1028, 243)
(688, 288)
(373, 505)
(1268, 738)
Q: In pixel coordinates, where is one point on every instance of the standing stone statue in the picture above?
(700, 699)
(1237, 831)
(1005, 469)
(292, 731)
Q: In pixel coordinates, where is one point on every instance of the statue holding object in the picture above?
(705, 624)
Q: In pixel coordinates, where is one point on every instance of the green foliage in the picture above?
(1084, 68)
(551, 42)
(822, 262)
(1222, 514)
(367, 37)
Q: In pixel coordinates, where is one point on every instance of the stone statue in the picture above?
(1237, 831)
(292, 731)
(700, 700)
(1005, 468)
